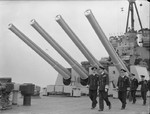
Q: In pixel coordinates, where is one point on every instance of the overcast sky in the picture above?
(20, 62)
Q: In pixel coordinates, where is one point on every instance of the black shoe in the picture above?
(134, 102)
(93, 106)
(100, 110)
(109, 106)
(122, 108)
(144, 104)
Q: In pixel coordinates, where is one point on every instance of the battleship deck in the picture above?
(74, 105)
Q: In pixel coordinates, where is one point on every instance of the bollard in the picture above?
(27, 90)
(15, 97)
(15, 94)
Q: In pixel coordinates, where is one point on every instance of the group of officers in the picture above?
(99, 80)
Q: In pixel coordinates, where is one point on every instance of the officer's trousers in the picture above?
(103, 96)
(133, 94)
(122, 95)
(93, 96)
(143, 95)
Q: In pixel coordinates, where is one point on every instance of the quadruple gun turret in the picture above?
(73, 63)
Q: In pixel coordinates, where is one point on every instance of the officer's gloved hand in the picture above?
(87, 86)
(106, 88)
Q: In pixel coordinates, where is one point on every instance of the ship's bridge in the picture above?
(144, 38)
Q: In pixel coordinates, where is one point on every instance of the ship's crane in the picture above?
(132, 4)
(143, 33)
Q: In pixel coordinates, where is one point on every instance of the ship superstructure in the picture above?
(134, 46)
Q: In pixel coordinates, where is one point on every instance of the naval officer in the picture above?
(133, 87)
(103, 81)
(144, 88)
(93, 85)
(122, 85)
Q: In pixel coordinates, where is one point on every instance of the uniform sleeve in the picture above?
(146, 82)
(107, 79)
(146, 85)
(128, 82)
(136, 83)
(98, 80)
(88, 83)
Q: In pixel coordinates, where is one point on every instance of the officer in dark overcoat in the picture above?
(93, 85)
(144, 88)
(133, 87)
(122, 85)
(103, 88)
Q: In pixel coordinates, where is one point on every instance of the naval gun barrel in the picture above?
(77, 41)
(74, 64)
(59, 68)
(116, 59)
